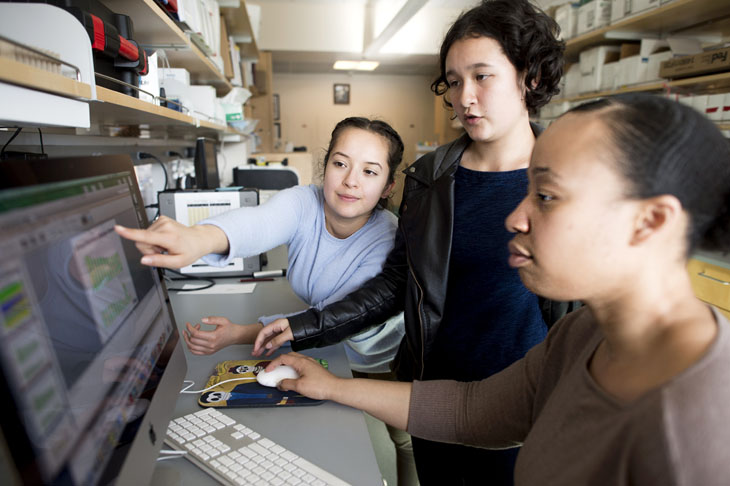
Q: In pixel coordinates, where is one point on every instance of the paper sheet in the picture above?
(235, 288)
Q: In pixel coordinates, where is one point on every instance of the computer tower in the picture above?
(191, 206)
(206, 164)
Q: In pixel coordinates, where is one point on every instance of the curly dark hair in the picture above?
(528, 37)
(379, 127)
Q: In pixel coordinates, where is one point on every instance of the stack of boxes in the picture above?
(200, 101)
(604, 69)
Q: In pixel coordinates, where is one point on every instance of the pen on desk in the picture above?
(270, 273)
(256, 280)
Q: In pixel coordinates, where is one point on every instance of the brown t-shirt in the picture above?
(574, 433)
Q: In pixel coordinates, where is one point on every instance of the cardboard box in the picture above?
(717, 60)
(594, 14)
(567, 18)
(726, 107)
(654, 63)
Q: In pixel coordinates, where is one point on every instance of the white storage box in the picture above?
(620, 9)
(594, 14)
(203, 102)
(567, 18)
(591, 59)
(631, 70)
(654, 63)
(699, 103)
(572, 80)
(178, 74)
(609, 75)
(642, 5)
(726, 107)
(715, 106)
(591, 64)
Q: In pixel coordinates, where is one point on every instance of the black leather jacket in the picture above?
(415, 274)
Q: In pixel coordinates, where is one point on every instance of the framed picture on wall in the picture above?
(276, 107)
(277, 131)
(342, 94)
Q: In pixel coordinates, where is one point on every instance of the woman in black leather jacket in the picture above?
(467, 314)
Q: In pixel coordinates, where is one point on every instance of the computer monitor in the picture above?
(206, 164)
(90, 357)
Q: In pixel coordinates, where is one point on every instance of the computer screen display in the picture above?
(206, 164)
(89, 352)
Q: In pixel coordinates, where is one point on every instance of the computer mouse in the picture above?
(273, 377)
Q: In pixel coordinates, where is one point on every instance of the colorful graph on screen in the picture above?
(99, 258)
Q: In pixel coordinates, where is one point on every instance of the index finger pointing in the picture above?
(141, 236)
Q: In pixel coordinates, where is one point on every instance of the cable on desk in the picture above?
(185, 390)
(40, 134)
(170, 454)
(145, 155)
(210, 281)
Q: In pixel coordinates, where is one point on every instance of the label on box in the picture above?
(704, 63)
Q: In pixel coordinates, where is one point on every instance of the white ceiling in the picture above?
(308, 36)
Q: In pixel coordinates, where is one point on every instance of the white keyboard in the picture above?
(234, 454)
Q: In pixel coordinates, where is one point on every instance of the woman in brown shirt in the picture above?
(633, 388)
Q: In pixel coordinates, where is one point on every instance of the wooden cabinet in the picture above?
(711, 281)
(262, 102)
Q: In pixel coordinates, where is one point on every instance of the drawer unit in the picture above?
(711, 283)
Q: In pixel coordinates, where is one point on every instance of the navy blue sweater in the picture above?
(490, 318)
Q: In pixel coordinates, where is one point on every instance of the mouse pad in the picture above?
(247, 392)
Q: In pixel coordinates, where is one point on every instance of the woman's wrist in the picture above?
(213, 238)
(247, 333)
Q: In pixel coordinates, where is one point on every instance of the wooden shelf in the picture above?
(154, 29)
(117, 109)
(666, 19)
(114, 108)
(212, 126)
(27, 76)
(701, 83)
(239, 27)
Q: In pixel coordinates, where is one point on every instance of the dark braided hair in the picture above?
(665, 147)
(528, 37)
(379, 127)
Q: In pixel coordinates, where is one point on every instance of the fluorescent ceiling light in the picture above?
(356, 65)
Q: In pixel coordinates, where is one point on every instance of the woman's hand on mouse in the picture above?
(314, 380)
(271, 337)
(202, 342)
(167, 243)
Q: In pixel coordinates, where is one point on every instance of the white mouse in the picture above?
(273, 377)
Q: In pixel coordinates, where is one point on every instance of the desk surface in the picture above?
(329, 435)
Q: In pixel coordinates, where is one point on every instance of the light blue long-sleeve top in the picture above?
(322, 268)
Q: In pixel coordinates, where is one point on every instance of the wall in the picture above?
(308, 112)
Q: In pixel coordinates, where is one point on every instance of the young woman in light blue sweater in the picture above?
(337, 237)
